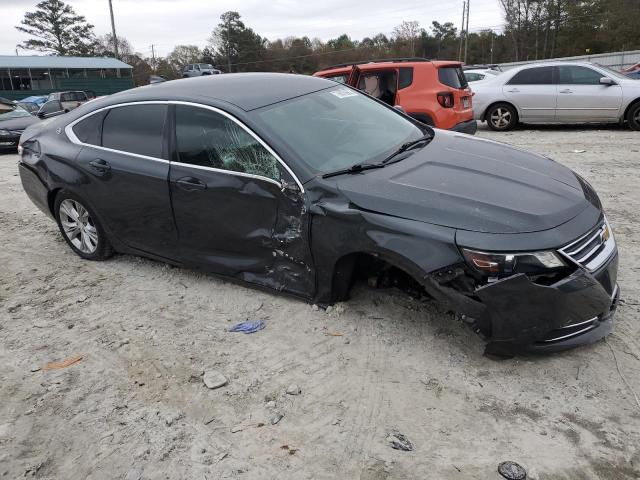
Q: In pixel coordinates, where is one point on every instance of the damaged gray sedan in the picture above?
(303, 186)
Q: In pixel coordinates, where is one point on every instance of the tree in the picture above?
(184, 55)
(104, 47)
(57, 29)
(234, 44)
(445, 35)
(407, 33)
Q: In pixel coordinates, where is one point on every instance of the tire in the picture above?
(501, 117)
(633, 116)
(88, 241)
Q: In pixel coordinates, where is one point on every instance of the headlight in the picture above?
(500, 264)
(4, 132)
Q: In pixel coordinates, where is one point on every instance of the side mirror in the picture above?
(607, 81)
(41, 114)
(399, 107)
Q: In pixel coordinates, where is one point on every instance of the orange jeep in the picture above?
(433, 92)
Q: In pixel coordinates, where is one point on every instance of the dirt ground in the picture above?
(135, 406)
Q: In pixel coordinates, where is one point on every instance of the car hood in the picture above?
(472, 184)
(18, 123)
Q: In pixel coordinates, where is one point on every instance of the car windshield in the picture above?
(337, 128)
(12, 111)
(613, 72)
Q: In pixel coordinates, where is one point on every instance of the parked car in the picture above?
(30, 107)
(199, 69)
(558, 92)
(433, 92)
(301, 185)
(13, 120)
(476, 75)
(70, 100)
(634, 75)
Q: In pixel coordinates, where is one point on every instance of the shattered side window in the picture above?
(209, 139)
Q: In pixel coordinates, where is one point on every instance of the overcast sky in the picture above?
(167, 23)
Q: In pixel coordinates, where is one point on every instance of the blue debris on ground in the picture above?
(248, 326)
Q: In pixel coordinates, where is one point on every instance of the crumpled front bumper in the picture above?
(522, 316)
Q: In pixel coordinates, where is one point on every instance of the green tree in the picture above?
(236, 46)
(57, 29)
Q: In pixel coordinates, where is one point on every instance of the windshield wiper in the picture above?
(406, 146)
(357, 168)
(360, 167)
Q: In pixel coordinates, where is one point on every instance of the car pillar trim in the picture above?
(229, 172)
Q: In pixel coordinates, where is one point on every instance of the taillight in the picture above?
(445, 99)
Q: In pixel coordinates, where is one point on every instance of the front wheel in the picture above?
(502, 117)
(633, 116)
(80, 227)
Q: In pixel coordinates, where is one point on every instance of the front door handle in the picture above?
(566, 90)
(100, 165)
(190, 183)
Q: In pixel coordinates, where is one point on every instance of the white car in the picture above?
(478, 74)
(557, 92)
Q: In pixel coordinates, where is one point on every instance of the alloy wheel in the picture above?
(78, 226)
(501, 117)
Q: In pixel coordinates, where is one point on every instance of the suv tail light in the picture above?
(445, 99)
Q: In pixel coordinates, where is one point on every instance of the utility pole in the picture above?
(464, 12)
(492, 37)
(228, 45)
(113, 31)
(466, 34)
(153, 59)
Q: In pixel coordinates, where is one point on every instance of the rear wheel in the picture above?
(633, 116)
(501, 117)
(80, 227)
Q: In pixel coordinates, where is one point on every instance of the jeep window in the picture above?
(452, 77)
(348, 128)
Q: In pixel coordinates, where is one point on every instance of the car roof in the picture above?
(375, 64)
(554, 64)
(247, 91)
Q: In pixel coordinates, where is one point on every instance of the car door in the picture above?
(238, 209)
(533, 92)
(582, 98)
(124, 158)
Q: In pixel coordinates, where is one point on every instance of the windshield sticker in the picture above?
(344, 93)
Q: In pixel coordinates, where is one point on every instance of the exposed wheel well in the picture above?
(51, 200)
(377, 271)
(631, 105)
(502, 102)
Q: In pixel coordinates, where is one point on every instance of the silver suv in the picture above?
(557, 92)
(199, 69)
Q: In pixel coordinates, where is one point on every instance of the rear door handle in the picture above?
(513, 90)
(190, 183)
(100, 165)
(566, 90)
